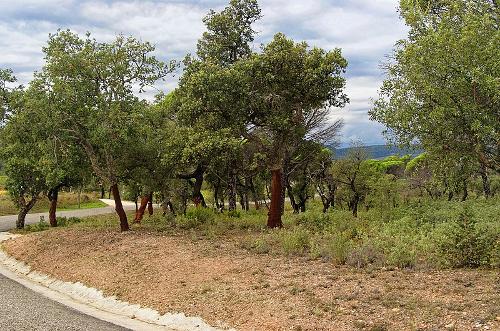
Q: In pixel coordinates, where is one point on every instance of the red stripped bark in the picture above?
(150, 204)
(119, 208)
(274, 216)
(140, 211)
(53, 195)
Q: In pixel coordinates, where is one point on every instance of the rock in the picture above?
(450, 326)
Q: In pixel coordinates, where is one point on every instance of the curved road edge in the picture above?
(79, 297)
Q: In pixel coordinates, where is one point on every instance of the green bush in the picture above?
(334, 247)
(234, 213)
(186, 223)
(294, 241)
(314, 220)
(201, 214)
(465, 242)
(63, 221)
(260, 246)
(40, 226)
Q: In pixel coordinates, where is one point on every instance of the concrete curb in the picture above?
(91, 301)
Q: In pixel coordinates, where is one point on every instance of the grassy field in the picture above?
(66, 201)
(425, 266)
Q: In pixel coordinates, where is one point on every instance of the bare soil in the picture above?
(229, 286)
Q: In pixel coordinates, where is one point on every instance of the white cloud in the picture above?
(364, 29)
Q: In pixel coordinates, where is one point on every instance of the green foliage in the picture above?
(43, 225)
(465, 242)
(442, 87)
(294, 241)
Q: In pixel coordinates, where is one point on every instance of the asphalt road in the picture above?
(9, 222)
(23, 309)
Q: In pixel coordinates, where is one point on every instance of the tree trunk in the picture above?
(216, 195)
(231, 188)
(302, 206)
(254, 194)
(283, 194)
(354, 205)
(198, 182)
(102, 192)
(274, 216)
(119, 208)
(150, 204)
(23, 211)
(53, 195)
(465, 193)
(140, 212)
(247, 204)
(486, 181)
(21, 218)
(295, 206)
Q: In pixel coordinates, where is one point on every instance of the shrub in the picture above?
(364, 255)
(334, 247)
(261, 246)
(464, 242)
(314, 220)
(234, 213)
(201, 214)
(40, 226)
(63, 221)
(295, 241)
(187, 223)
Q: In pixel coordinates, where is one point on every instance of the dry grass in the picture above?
(230, 286)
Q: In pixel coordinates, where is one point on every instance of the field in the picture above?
(402, 269)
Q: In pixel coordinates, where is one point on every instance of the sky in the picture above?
(365, 30)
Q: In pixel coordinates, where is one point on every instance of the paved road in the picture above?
(9, 222)
(23, 309)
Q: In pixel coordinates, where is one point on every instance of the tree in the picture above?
(355, 174)
(6, 77)
(206, 93)
(39, 160)
(229, 33)
(323, 179)
(285, 85)
(442, 87)
(20, 149)
(92, 85)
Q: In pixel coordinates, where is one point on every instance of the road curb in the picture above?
(91, 301)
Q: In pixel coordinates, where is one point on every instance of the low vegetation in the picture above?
(421, 235)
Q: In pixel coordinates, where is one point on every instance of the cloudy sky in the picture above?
(366, 30)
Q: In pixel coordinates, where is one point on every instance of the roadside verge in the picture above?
(91, 301)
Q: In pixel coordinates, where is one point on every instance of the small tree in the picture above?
(355, 174)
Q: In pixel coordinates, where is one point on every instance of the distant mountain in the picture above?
(378, 151)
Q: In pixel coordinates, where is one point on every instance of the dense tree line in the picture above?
(252, 126)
